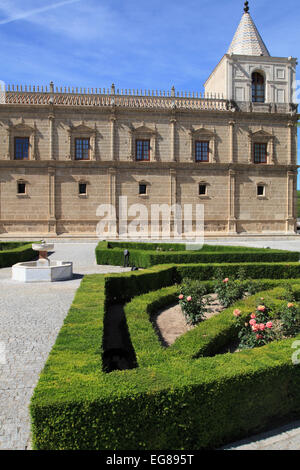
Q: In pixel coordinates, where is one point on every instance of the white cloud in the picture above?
(86, 20)
(15, 14)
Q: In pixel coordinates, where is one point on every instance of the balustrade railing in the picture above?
(109, 97)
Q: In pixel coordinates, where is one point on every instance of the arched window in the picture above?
(258, 88)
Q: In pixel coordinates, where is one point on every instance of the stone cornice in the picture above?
(270, 116)
(45, 164)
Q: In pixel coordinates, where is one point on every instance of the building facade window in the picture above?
(258, 88)
(202, 189)
(82, 189)
(202, 151)
(21, 148)
(82, 147)
(21, 187)
(142, 149)
(260, 152)
(142, 188)
(260, 190)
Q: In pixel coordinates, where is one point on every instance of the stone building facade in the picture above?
(234, 149)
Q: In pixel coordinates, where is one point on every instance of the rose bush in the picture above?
(290, 319)
(193, 301)
(261, 328)
(257, 331)
(229, 291)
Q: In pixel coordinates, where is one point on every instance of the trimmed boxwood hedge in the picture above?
(145, 255)
(15, 252)
(177, 397)
(121, 288)
(179, 247)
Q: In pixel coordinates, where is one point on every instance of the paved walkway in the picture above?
(31, 316)
(283, 438)
(276, 244)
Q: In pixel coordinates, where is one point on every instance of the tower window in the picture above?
(260, 190)
(143, 150)
(201, 150)
(258, 88)
(260, 153)
(21, 148)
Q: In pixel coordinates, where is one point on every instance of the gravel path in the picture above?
(282, 438)
(31, 316)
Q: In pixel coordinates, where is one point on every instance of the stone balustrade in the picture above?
(128, 98)
(108, 97)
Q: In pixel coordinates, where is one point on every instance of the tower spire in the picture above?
(247, 40)
(246, 7)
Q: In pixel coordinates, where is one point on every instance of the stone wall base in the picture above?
(87, 229)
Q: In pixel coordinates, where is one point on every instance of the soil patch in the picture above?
(170, 323)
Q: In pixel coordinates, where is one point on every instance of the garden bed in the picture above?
(186, 396)
(170, 323)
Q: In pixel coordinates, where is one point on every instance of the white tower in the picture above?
(249, 77)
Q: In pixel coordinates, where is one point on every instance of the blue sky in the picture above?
(134, 43)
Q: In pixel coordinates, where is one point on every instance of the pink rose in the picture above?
(258, 336)
(253, 315)
(189, 298)
(237, 312)
(180, 296)
(261, 308)
(252, 322)
(226, 279)
(269, 324)
(262, 326)
(255, 327)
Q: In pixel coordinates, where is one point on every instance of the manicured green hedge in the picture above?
(123, 287)
(144, 255)
(15, 252)
(252, 270)
(172, 400)
(180, 247)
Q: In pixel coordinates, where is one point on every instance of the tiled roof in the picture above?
(247, 40)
